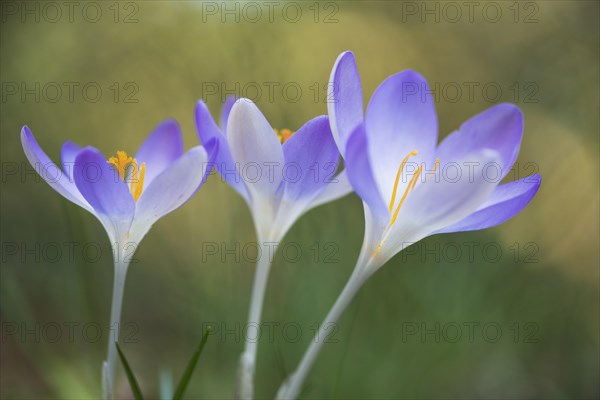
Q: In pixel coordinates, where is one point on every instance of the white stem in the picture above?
(245, 383)
(109, 370)
(290, 389)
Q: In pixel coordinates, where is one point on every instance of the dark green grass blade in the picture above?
(187, 374)
(135, 388)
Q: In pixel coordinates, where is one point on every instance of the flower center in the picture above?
(409, 188)
(129, 171)
(283, 135)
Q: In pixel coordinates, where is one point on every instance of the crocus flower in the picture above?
(127, 194)
(281, 175)
(410, 186)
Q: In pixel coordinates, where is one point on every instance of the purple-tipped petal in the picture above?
(255, 146)
(499, 127)
(345, 102)
(311, 159)
(208, 130)
(171, 189)
(101, 186)
(400, 118)
(225, 110)
(49, 171)
(360, 174)
(68, 153)
(160, 149)
(105, 191)
(206, 127)
(505, 202)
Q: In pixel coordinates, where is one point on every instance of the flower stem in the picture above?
(245, 379)
(109, 366)
(290, 389)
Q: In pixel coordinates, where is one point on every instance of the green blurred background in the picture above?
(544, 285)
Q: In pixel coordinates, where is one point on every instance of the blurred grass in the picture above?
(170, 293)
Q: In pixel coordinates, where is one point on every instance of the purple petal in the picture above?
(499, 127)
(161, 149)
(106, 192)
(400, 118)
(206, 127)
(255, 146)
(360, 174)
(171, 189)
(101, 186)
(505, 202)
(49, 171)
(311, 159)
(225, 110)
(68, 153)
(208, 130)
(345, 103)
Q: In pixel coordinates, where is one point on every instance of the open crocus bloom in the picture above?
(127, 194)
(410, 186)
(280, 174)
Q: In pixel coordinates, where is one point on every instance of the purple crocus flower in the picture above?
(412, 187)
(452, 187)
(281, 175)
(127, 195)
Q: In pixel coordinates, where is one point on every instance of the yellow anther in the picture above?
(136, 181)
(121, 162)
(136, 175)
(409, 188)
(400, 169)
(415, 178)
(284, 135)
